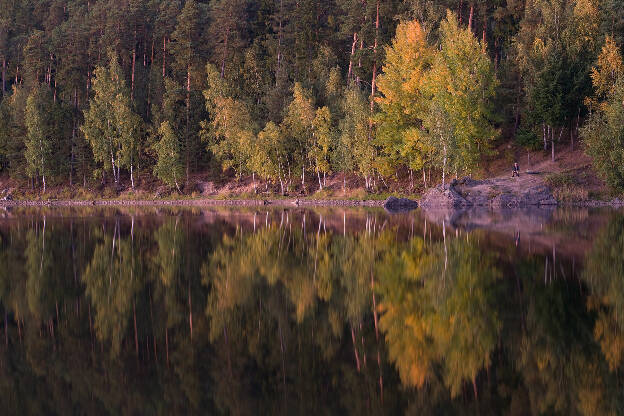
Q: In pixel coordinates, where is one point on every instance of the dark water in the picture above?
(311, 312)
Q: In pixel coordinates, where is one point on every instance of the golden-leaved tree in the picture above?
(437, 102)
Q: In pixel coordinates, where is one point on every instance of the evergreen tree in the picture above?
(187, 51)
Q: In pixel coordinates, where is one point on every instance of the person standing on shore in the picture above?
(515, 171)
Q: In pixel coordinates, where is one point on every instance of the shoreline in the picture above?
(293, 202)
(290, 202)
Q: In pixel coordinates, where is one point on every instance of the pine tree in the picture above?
(227, 28)
(187, 50)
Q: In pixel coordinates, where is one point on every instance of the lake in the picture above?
(325, 311)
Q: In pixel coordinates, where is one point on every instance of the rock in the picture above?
(207, 188)
(446, 197)
(400, 204)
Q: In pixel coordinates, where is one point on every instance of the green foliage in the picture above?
(168, 166)
(603, 135)
(230, 131)
(437, 104)
(111, 126)
(282, 62)
(39, 135)
(355, 152)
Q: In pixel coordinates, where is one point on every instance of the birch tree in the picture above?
(168, 166)
(111, 126)
(39, 141)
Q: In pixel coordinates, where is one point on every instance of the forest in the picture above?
(125, 92)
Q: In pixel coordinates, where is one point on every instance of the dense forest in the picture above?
(123, 91)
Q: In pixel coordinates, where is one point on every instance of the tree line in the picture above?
(280, 90)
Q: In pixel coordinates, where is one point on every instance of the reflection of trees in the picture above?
(112, 279)
(282, 321)
(440, 311)
(281, 297)
(604, 272)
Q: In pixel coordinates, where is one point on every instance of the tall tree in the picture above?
(39, 134)
(187, 49)
(111, 126)
(168, 166)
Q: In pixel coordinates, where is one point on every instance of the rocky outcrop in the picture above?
(394, 204)
(443, 197)
(495, 193)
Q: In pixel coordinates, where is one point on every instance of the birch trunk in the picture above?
(164, 55)
(353, 45)
(3, 75)
(374, 79)
(444, 168)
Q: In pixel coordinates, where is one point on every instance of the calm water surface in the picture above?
(244, 312)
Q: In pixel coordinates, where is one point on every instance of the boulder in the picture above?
(394, 204)
(446, 197)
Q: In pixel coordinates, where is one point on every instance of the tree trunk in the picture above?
(279, 44)
(131, 175)
(374, 79)
(444, 168)
(470, 17)
(223, 58)
(353, 45)
(485, 20)
(164, 55)
(3, 75)
(318, 173)
(113, 165)
(460, 10)
(133, 66)
(552, 144)
(424, 178)
(188, 114)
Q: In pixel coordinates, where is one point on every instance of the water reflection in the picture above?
(298, 311)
